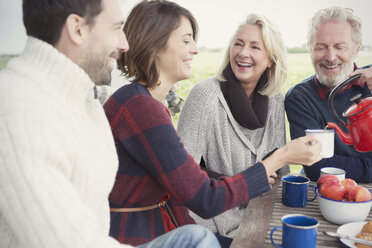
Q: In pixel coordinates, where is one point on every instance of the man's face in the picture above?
(333, 52)
(104, 42)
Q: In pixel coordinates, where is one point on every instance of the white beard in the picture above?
(333, 81)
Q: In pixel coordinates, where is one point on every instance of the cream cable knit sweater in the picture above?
(57, 155)
(208, 129)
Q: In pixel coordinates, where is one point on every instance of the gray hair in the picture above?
(273, 41)
(336, 14)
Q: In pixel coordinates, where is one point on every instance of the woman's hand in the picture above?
(304, 150)
(272, 178)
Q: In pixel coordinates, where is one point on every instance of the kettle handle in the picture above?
(333, 93)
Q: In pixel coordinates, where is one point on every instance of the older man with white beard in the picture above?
(334, 40)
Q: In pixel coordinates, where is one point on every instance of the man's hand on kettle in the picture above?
(366, 76)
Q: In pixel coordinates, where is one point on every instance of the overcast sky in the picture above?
(217, 19)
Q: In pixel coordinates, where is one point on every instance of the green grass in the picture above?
(204, 65)
(4, 60)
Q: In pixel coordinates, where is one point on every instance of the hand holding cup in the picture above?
(326, 137)
(300, 152)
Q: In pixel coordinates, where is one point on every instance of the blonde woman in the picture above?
(232, 120)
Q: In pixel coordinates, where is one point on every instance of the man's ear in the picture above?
(76, 28)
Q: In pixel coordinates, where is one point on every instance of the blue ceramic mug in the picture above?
(294, 191)
(299, 231)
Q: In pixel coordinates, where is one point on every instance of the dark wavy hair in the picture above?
(147, 29)
(44, 19)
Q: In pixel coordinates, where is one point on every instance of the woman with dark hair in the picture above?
(158, 181)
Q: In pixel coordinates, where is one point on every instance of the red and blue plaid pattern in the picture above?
(153, 166)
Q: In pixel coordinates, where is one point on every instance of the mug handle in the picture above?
(312, 186)
(271, 236)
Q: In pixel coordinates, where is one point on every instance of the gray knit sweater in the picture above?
(209, 130)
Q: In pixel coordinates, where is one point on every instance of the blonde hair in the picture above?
(336, 14)
(273, 41)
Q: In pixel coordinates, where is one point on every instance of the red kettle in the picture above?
(359, 119)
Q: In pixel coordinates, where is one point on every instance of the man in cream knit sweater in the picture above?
(57, 156)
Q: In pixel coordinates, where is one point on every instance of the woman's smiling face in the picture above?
(248, 55)
(174, 62)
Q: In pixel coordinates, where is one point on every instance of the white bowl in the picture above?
(342, 212)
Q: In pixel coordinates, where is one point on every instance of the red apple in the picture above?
(332, 190)
(348, 183)
(362, 194)
(350, 194)
(325, 178)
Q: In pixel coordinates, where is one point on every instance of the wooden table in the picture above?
(266, 211)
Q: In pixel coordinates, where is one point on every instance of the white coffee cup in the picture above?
(326, 138)
(339, 173)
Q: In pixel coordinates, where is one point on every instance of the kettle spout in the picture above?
(346, 138)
